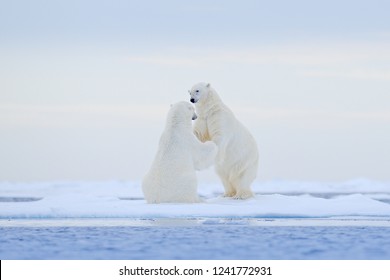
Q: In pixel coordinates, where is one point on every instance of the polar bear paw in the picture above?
(243, 194)
(229, 194)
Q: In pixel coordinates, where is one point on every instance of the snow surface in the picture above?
(122, 199)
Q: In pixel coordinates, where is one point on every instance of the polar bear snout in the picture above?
(194, 116)
(192, 100)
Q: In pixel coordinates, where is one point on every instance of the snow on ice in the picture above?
(121, 199)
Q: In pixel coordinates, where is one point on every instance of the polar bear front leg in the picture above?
(203, 154)
(200, 130)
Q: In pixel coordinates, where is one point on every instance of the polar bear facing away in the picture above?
(237, 160)
(172, 176)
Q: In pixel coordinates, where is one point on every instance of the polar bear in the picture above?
(172, 176)
(237, 159)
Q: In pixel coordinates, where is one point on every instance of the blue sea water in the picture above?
(208, 241)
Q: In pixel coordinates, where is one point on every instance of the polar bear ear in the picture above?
(208, 85)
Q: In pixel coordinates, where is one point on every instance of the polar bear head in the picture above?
(199, 92)
(182, 112)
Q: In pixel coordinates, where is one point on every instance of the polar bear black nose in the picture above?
(192, 100)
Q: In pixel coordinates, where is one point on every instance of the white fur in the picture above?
(237, 160)
(172, 176)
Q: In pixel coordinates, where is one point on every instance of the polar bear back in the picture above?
(172, 176)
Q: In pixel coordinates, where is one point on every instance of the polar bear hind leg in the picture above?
(230, 191)
(242, 183)
(229, 188)
(237, 180)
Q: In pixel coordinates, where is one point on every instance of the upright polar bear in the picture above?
(172, 176)
(237, 160)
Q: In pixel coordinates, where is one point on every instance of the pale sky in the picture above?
(85, 86)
